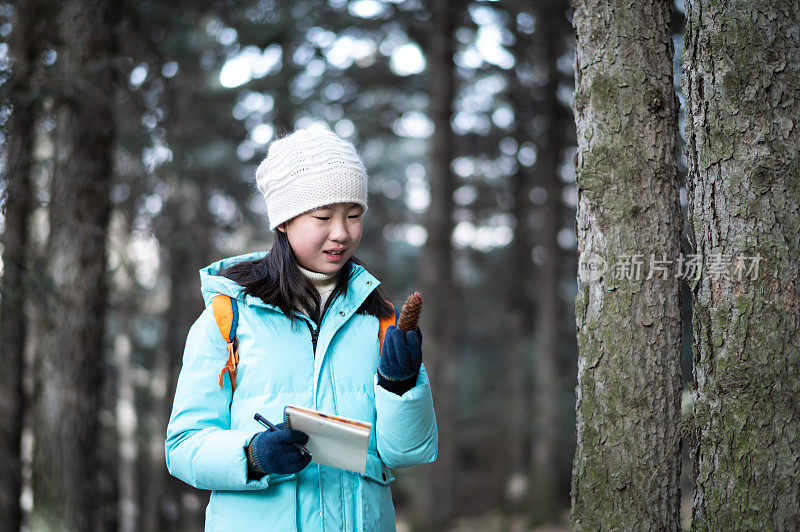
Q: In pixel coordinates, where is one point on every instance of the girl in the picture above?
(308, 321)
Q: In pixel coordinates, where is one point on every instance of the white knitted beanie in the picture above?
(307, 170)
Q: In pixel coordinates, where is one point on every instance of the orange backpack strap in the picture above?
(227, 315)
(384, 324)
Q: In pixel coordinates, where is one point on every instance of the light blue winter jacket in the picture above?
(210, 427)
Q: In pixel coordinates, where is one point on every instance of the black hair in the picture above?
(277, 280)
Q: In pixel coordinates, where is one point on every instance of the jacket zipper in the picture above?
(314, 336)
(315, 333)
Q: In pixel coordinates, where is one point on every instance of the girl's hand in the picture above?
(274, 452)
(401, 357)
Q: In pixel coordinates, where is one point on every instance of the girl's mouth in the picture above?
(334, 257)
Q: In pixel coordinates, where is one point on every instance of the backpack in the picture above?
(227, 315)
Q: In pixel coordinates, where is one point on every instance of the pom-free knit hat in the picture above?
(308, 170)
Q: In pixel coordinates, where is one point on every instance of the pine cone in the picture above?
(409, 314)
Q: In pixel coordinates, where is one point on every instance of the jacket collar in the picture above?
(360, 284)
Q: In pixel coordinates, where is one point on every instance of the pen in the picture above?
(264, 421)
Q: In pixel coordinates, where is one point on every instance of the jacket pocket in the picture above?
(274, 507)
(375, 510)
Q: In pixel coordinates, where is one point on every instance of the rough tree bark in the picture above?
(626, 467)
(70, 365)
(19, 136)
(742, 85)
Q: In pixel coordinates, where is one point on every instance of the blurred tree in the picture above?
(534, 419)
(189, 164)
(433, 504)
(282, 25)
(123, 308)
(740, 78)
(361, 100)
(185, 237)
(626, 466)
(520, 301)
(70, 365)
(548, 496)
(19, 134)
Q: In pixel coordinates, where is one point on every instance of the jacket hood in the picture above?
(212, 284)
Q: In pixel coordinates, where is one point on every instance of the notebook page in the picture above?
(331, 442)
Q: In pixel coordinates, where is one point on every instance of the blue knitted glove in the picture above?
(273, 452)
(401, 357)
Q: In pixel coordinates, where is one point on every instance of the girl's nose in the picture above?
(338, 230)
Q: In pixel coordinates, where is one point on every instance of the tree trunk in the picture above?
(434, 502)
(626, 467)
(20, 132)
(182, 228)
(70, 366)
(518, 293)
(517, 367)
(188, 250)
(546, 498)
(741, 64)
(126, 471)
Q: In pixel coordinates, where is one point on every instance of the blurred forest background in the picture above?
(462, 113)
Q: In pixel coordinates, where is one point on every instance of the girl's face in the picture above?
(314, 234)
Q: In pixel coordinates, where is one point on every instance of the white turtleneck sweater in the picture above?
(323, 282)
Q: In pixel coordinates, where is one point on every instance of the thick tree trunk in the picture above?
(434, 502)
(741, 64)
(19, 134)
(70, 367)
(626, 466)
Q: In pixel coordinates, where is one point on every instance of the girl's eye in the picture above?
(356, 216)
(321, 217)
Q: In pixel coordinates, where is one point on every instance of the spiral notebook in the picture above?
(334, 441)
